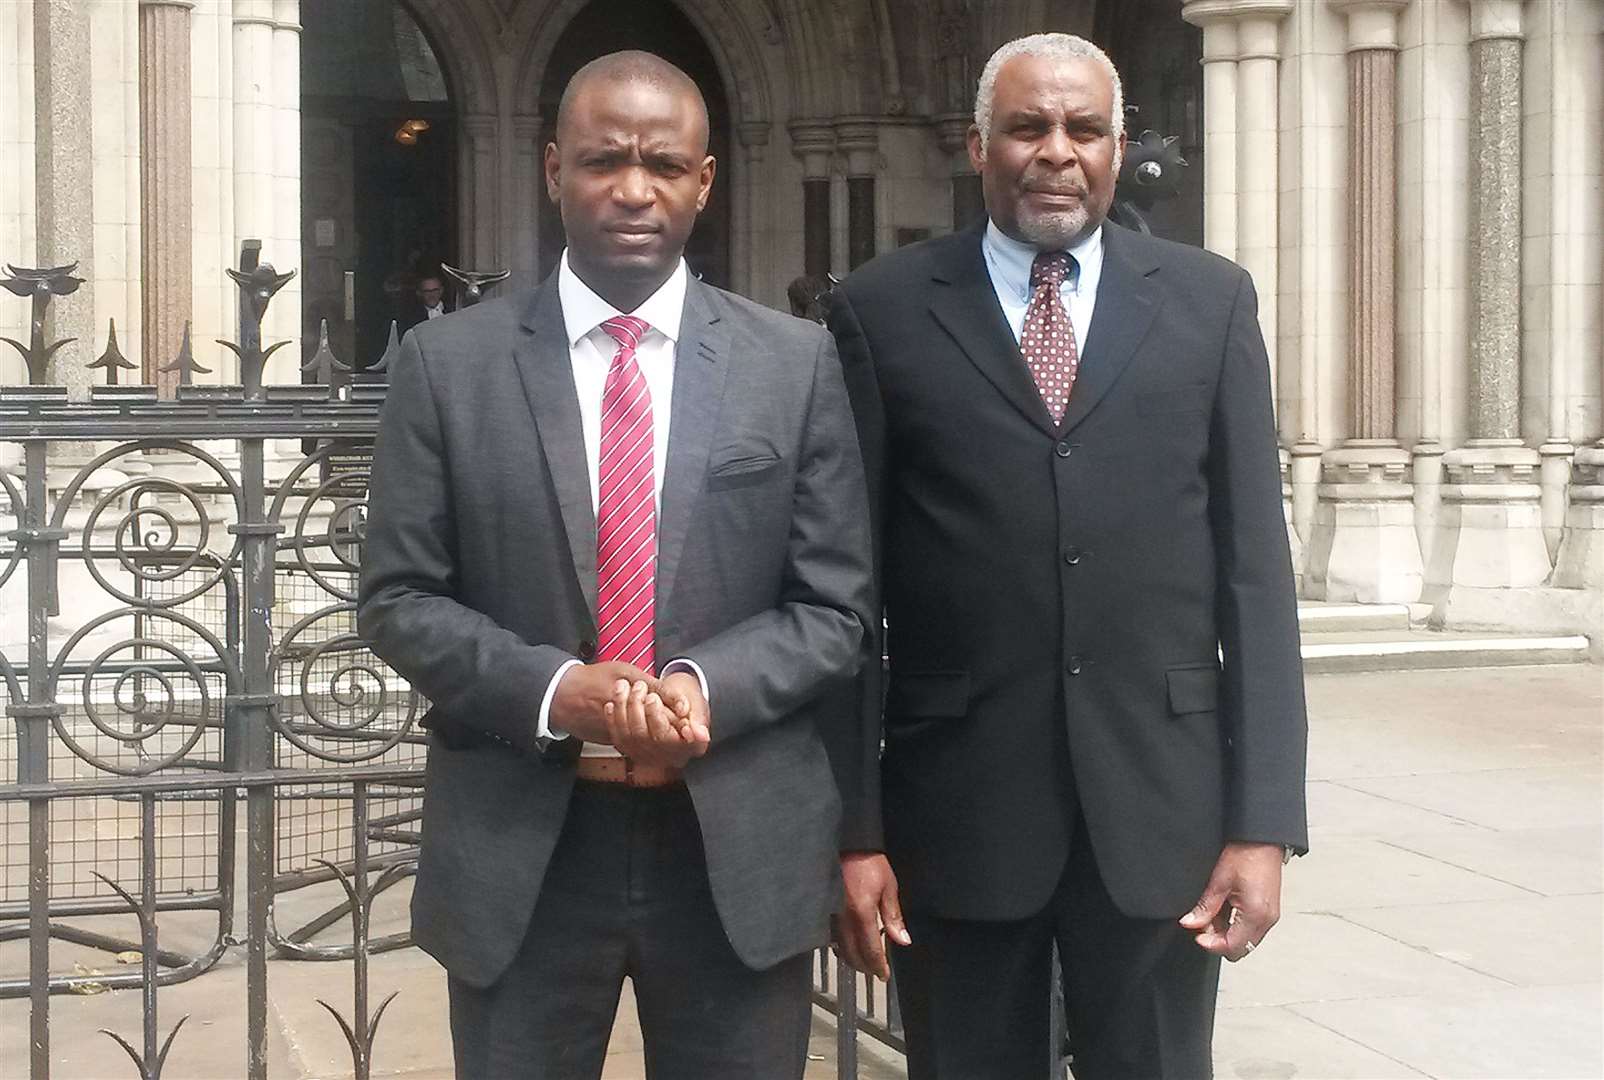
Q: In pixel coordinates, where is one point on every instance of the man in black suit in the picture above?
(1094, 728)
(621, 492)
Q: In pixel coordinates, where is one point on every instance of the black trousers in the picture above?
(627, 895)
(1138, 994)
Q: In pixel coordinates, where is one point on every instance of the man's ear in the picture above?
(709, 170)
(551, 164)
(977, 152)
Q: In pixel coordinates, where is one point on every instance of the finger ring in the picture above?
(1251, 945)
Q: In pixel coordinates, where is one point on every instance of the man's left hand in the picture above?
(1241, 902)
(681, 691)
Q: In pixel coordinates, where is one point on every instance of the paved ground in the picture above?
(1447, 924)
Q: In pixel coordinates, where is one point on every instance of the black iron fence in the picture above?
(193, 730)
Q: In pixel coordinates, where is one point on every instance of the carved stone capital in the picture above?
(1372, 24)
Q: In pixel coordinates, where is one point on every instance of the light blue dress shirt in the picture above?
(1008, 265)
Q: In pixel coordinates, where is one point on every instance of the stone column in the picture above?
(529, 187)
(477, 193)
(1364, 545)
(63, 179)
(1258, 134)
(751, 234)
(1217, 18)
(166, 226)
(254, 145)
(813, 141)
(859, 140)
(1492, 535)
(285, 318)
(968, 201)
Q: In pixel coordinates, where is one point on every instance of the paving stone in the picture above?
(1275, 1043)
(1536, 941)
(1525, 1032)
(1311, 957)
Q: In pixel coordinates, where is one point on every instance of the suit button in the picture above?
(1073, 666)
(587, 650)
(1073, 556)
(1064, 449)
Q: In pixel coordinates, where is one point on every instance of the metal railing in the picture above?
(193, 704)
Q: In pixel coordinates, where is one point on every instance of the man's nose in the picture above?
(634, 187)
(1057, 148)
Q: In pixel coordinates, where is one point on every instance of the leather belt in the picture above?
(619, 770)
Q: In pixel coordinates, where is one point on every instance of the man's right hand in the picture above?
(871, 902)
(579, 706)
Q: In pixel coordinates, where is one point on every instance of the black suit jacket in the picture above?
(479, 581)
(1093, 618)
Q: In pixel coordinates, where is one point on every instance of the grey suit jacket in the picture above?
(479, 581)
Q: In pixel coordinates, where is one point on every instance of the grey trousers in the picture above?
(627, 895)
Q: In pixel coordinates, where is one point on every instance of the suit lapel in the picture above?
(965, 304)
(701, 365)
(542, 359)
(1126, 303)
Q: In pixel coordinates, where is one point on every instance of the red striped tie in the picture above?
(626, 508)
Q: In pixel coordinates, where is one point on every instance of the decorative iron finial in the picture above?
(185, 364)
(112, 359)
(257, 284)
(323, 361)
(258, 287)
(42, 284)
(392, 349)
(475, 282)
(1152, 169)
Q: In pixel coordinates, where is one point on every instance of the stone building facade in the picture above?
(1417, 187)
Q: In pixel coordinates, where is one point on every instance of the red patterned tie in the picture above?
(626, 508)
(1048, 341)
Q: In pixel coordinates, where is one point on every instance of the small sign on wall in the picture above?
(323, 232)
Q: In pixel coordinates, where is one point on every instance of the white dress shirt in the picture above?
(1008, 265)
(434, 312)
(591, 350)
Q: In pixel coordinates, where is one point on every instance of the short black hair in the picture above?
(634, 65)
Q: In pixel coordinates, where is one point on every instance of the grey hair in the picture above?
(1047, 47)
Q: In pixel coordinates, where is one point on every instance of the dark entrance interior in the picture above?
(656, 26)
(378, 163)
(1160, 61)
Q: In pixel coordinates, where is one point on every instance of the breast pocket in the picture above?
(743, 470)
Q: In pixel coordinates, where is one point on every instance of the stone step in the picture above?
(1318, 616)
(1418, 650)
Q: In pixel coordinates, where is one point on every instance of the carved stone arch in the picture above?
(460, 36)
(730, 37)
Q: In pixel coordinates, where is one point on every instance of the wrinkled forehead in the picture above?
(1073, 83)
(634, 110)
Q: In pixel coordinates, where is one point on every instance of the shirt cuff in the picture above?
(543, 729)
(686, 664)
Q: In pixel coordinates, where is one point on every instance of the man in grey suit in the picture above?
(618, 538)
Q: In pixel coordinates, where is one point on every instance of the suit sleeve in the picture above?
(474, 671)
(769, 666)
(1262, 701)
(853, 728)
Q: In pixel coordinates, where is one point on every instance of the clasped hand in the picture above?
(648, 720)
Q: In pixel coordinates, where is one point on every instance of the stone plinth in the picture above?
(1491, 531)
(1580, 562)
(1363, 548)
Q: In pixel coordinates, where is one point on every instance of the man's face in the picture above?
(629, 172)
(1051, 160)
(430, 291)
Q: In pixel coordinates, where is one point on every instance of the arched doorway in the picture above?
(660, 27)
(1160, 61)
(379, 170)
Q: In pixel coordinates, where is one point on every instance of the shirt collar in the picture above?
(1009, 260)
(584, 311)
